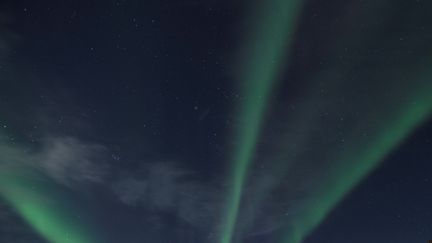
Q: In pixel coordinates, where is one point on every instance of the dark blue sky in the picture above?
(126, 108)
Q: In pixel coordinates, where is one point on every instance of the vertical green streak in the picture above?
(40, 208)
(262, 61)
(356, 162)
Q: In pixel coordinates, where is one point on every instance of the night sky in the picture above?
(215, 121)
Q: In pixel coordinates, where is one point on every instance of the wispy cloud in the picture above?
(70, 161)
(67, 160)
(160, 188)
(166, 188)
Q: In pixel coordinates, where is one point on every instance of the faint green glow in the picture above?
(40, 207)
(262, 61)
(360, 158)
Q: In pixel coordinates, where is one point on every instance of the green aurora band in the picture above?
(263, 58)
(354, 163)
(38, 201)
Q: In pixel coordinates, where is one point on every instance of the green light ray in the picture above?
(262, 61)
(295, 134)
(37, 203)
(354, 163)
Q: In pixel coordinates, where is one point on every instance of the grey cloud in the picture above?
(156, 187)
(131, 191)
(69, 161)
(163, 187)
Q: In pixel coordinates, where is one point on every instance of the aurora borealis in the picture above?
(360, 158)
(49, 219)
(282, 121)
(365, 154)
(259, 74)
(37, 200)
